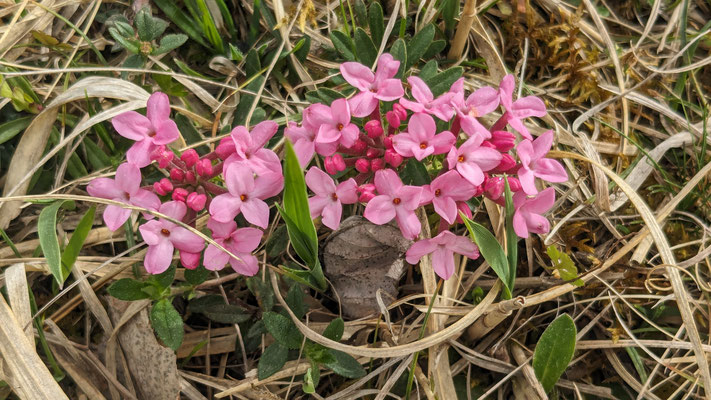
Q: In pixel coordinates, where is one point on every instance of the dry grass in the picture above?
(626, 84)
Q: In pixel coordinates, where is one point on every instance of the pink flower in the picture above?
(149, 132)
(442, 247)
(336, 124)
(329, 197)
(533, 163)
(126, 188)
(395, 200)
(164, 236)
(479, 103)
(446, 190)
(472, 160)
(528, 215)
(373, 87)
(425, 101)
(420, 140)
(246, 195)
(249, 148)
(304, 136)
(529, 106)
(240, 242)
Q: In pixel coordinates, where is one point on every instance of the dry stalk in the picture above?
(463, 28)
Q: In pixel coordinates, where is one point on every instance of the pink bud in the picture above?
(359, 146)
(329, 166)
(506, 164)
(180, 194)
(190, 177)
(196, 201)
(503, 141)
(373, 128)
(366, 192)
(163, 187)
(388, 142)
(373, 152)
(514, 184)
(225, 148)
(377, 164)
(204, 167)
(362, 165)
(393, 158)
(338, 162)
(393, 119)
(464, 208)
(488, 145)
(494, 187)
(190, 157)
(177, 175)
(163, 156)
(189, 260)
(400, 111)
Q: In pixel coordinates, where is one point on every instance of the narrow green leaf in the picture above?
(95, 154)
(376, 22)
(295, 300)
(490, 248)
(334, 330)
(129, 44)
(272, 360)
(283, 330)
(252, 65)
(429, 70)
(399, 52)
(214, 307)
(345, 365)
(71, 252)
(148, 27)
(302, 277)
(419, 43)
(47, 232)
(367, 52)
(450, 11)
(343, 44)
(167, 324)
(434, 49)
(554, 351)
(170, 42)
(311, 378)
(361, 12)
(10, 129)
(317, 353)
(186, 24)
(127, 289)
(441, 82)
(511, 236)
(296, 203)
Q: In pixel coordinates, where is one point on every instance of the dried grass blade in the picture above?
(17, 289)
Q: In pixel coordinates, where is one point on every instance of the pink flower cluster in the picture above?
(379, 129)
(250, 173)
(364, 143)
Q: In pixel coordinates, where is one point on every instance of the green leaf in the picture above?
(434, 49)
(443, 81)
(214, 307)
(196, 276)
(343, 45)
(246, 101)
(47, 232)
(490, 248)
(295, 300)
(131, 45)
(252, 65)
(10, 129)
(511, 236)
(272, 360)
(415, 173)
(450, 11)
(148, 27)
(96, 155)
(399, 52)
(311, 378)
(123, 27)
(283, 330)
(564, 266)
(167, 323)
(376, 21)
(429, 70)
(186, 24)
(345, 365)
(302, 52)
(419, 43)
(317, 353)
(303, 277)
(361, 12)
(165, 279)
(277, 242)
(554, 351)
(71, 252)
(334, 330)
(127, 289)
(367, 52)
(170, 42)
(262, 291)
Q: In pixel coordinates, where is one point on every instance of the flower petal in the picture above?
(332, 214)
(140, 153)
(144, 198)
(446, 207)
(128, 178)
(256, 212)
(419, 89)
(158, 257)
(262, 132)
(158, 108)
(246, 240)
(166, 132)
(185, 240)
(320, 182)
(363, 104)
(387, 67)
(150, 231)
(387, 182)
(390, 90)
(115, 216)
(215, 259)
(132, 125)
(358, 75)
(550, 170)
(105, 188)
(225, 207)
(443, 262)
(247, 265)
(221, 229)
(347, 191)
(418, 250)
(380, 210)
(409, 223)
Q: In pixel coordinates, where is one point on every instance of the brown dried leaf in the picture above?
(361, 258)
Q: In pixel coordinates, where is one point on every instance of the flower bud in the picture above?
(377, 164)
(393, 119)
(338, 162)
(366, 192)
(362, 165)
(388, 142)
(373, 152)
(180, 194)
(393, 158)
(204, 167)
(464, 208)
(503, 141)
(400, 111)
(163, 187)
(514, 184)
(359, 146)
(190, 157)
(189, 260)
(225, 148)
(163, 156)
(196, 201)
(506, 164)
(190, 177)
(373, 128)
(177, 175)
(494, 187)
